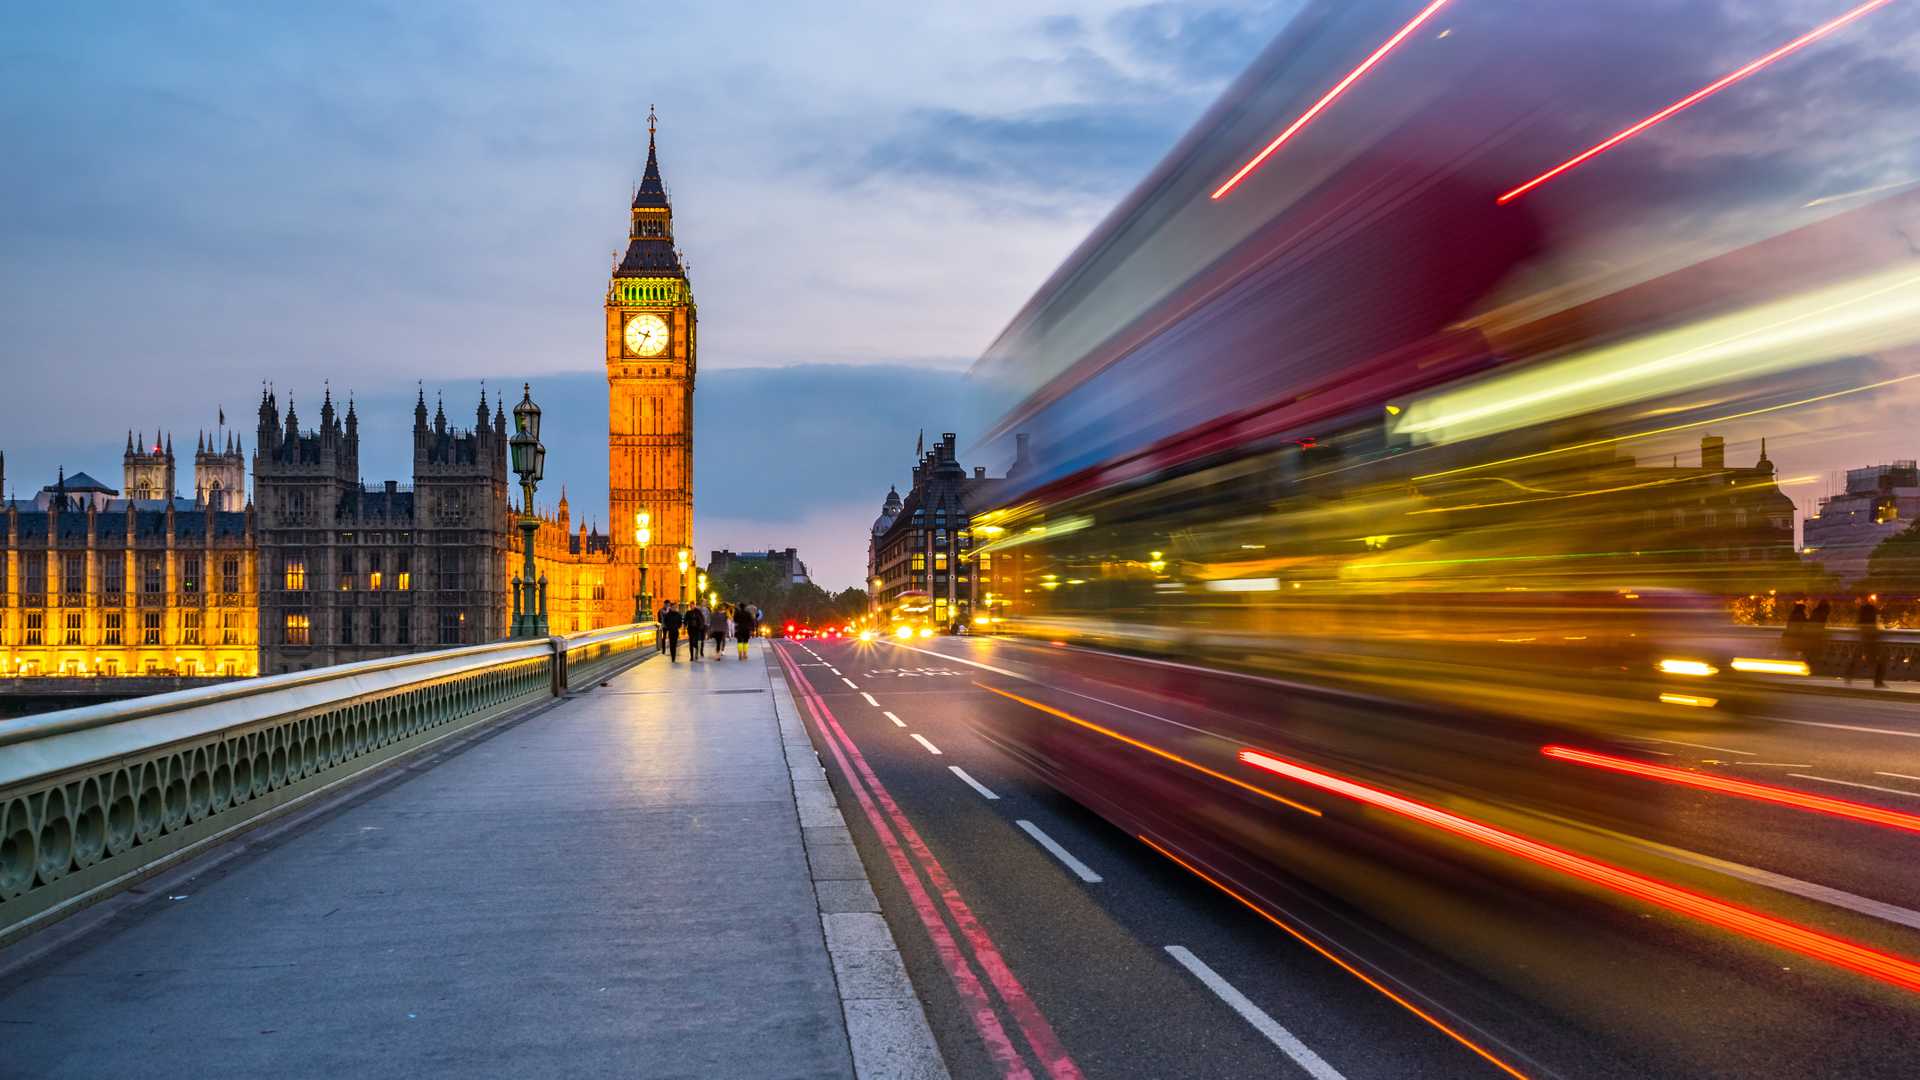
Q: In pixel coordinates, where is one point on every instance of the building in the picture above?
(351, 572)
(96, 583)
(786, 563)
(651, 363)
(1880, 500)
(320, 568)
(578, 567)
(920, 547)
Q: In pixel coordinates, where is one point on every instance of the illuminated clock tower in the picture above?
(650, 369)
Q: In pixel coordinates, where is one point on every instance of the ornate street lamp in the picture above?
(530, 464)
(685, 557)
(643, 535)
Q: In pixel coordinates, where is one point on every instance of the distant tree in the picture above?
(809, 605)
(850, 604)
(1893, 571)
(750, 581)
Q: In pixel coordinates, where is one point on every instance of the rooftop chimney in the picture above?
(1713, 452)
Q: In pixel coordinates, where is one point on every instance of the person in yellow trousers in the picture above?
(743, 626)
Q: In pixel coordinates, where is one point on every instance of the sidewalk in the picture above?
(615, 886)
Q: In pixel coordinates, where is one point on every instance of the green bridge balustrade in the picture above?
(94, 799)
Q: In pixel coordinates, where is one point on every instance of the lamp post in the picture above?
(530, 464)
(643, 535)
(685, 558)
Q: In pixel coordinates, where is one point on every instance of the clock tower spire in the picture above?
(650, 323)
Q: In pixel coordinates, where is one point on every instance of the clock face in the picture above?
(646, 335)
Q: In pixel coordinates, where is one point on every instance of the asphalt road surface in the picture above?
(1408, 895)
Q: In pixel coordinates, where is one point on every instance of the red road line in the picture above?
(1033, 1024)
(1884, 967)
(1782, 796)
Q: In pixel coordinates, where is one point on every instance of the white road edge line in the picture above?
(971, 782)
(1082, 870)
(869, 698)
(1288, 1043)
(1847, 727)
(1854, 783)
(1695, 745)
(922, 740)
(849, 682)
(897, 722)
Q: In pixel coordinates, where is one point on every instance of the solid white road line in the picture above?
(1085, 872)
(849, 682)
(1848, 727)
(1289, 1045)
(1896, 775)
(1695, 745)
(869, 698)
(1852, 783)
(897, 722)
(971, 782)
(922, 740)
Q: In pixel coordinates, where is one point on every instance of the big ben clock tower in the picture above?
(650, 369)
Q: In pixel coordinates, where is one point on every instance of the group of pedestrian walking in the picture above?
(1806, 637)
(701, 624)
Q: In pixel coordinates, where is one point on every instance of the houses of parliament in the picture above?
(320, 568)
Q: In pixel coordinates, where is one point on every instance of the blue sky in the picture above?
(201, 197)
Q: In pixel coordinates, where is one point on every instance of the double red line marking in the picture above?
(910, 858)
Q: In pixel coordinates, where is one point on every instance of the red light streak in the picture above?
(1326, 100)
(1884, 967)
(1343, 965)
(1701, 94)
(1800, 800)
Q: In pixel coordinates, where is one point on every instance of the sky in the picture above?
(204, 197)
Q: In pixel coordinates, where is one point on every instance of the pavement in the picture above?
(651, 878)
(1036, 929)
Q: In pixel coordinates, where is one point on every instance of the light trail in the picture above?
(1697, 96)
(1746, 789)
(1883, 967)
(1328, 98)
(1343, 965)
(1151, 749)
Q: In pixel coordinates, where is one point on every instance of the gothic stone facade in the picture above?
(354, 573)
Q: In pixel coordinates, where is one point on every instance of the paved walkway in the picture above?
(616, 886)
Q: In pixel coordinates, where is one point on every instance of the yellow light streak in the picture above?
(1770, 667)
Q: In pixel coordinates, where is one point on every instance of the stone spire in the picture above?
(650, 250)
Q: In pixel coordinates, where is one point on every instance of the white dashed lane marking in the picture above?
(849, 682)
(922, 740)
(1081, 869)
(976, 785)
(1288, 1043)
(869, 698)
(897, 722)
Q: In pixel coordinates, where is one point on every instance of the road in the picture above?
(1436, 897)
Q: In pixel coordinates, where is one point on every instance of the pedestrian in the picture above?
(670, 623)
(696, 627)
(717, 629)
(1867, 628)
(743, 626)
(1794, 640)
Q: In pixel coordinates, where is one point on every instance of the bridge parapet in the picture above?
(93, 799)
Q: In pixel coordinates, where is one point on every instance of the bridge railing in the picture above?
(95, 798)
